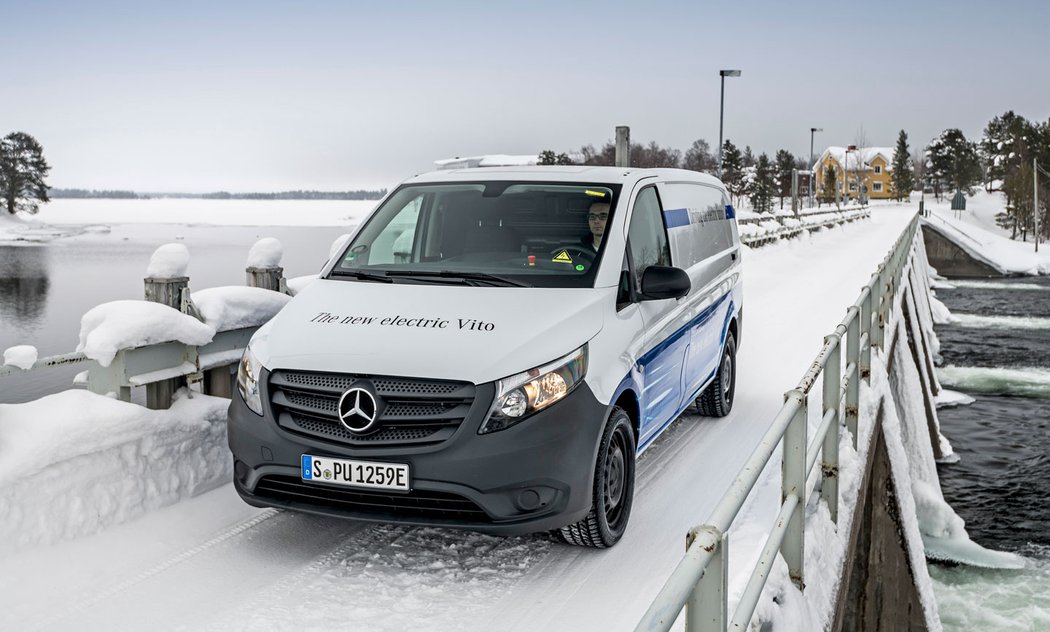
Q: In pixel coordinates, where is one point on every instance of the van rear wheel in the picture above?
(613, 492)
(717, 398)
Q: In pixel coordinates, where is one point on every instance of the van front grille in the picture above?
(412, 412)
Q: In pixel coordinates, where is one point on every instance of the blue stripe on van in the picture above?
(675, 217)
(730, 212)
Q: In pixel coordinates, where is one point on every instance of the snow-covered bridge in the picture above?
(212, 562)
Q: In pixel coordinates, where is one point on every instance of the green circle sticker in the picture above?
(579, 267)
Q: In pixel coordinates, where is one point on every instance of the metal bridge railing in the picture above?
(699, 582)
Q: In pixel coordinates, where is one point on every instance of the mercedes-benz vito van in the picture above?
(493, 349)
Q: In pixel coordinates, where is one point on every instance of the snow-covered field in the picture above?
(976, 232)
(70, 217)
(121, 532)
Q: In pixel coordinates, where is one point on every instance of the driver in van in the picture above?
(597, 216)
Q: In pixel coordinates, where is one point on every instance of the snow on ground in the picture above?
(975, 231)
(245, 567)
(75, 463)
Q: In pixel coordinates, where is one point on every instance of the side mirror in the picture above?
(660, 282)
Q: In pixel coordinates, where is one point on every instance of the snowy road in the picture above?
(214, 563)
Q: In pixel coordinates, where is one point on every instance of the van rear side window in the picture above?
(538, 233)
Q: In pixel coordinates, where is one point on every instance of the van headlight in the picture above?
(521, 395)
(248, 380)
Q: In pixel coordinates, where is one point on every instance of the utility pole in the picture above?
(1035, 199)
(812, 167)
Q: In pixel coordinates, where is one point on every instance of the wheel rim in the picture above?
(727, 378)
(615, 479)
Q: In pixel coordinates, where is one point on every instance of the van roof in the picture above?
(570, 173)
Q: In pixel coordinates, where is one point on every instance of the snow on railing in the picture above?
(699, 582)
(759, 230)
(172, 335)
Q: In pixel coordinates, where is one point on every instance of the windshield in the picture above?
(486, 234)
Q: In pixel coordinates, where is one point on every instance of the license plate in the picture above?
(367, 474)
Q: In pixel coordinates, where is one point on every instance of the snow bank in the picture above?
(168, 262)
(21, 356)
(943, 532)
(976, 233)
(236, 306)
(101, 462)
(117, 325)
(266, 253)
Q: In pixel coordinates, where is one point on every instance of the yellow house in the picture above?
(867, 170)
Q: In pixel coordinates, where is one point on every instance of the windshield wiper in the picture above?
(492, 279)
(363, 276)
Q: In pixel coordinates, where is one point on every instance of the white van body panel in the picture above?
(431, 331)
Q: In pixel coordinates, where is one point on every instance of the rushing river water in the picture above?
(999, 353)
(46, 288)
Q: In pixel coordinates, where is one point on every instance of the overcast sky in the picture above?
(257, 96)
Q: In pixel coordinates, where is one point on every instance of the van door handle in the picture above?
(734, 256)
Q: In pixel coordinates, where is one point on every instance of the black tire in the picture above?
(613, 492)
(717, 398)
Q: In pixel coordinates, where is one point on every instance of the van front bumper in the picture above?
(535, 476)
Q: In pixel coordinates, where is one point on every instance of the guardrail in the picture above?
(790, 225)
(159, 366)
(699, 582)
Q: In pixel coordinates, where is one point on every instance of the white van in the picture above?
(493, 349)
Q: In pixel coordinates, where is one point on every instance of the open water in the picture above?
(999, 353)
(45, 288)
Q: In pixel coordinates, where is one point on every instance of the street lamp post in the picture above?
(721, 112)
(812, 167)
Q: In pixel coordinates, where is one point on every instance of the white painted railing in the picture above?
(699, 582)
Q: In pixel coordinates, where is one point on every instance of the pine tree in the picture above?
(902, 179)
(749, 158)
(831, 184)
(733, 170)
(22, 173)
(952, 162)
(763, 187)
(785, 166)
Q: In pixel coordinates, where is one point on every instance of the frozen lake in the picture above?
(45, 287)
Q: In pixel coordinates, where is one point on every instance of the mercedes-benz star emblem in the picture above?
(357, 410)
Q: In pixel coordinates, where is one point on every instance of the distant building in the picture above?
(492, 160)
(867, 168)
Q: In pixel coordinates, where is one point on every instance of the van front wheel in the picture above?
(717, 398)
(613, 491)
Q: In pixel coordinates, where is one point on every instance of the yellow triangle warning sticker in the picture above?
(562, 257)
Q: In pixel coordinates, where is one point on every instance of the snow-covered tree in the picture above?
(22, 173)
(902, 179)
(733, 170)
(952, 162)
(785, 165)
(763, 186)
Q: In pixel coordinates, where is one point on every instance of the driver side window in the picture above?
(647, 236)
